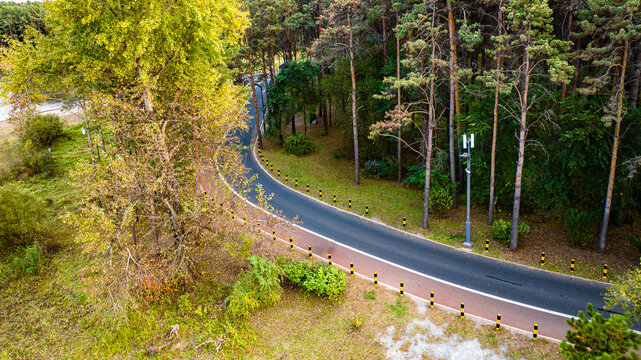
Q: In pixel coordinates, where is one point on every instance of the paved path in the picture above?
(487, 286)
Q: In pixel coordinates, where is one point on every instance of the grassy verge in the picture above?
(388, 202)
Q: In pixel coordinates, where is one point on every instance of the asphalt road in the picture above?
(535, 288)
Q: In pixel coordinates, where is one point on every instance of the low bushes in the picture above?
(298, 144)
(501, 230)
(320, 279)
(578, 224)
(30, 261)
(42, 130)
(440, 186)
(255, 288)
(23, 218)
(380, 169)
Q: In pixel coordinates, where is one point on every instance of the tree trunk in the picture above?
(495, 122)
(452, 65)
(398, 104)
(615, 149)
(293, 124)
(634, 96)
(262, 51)
(564, 88)
(271, 63)
(152, 202)
(521, 156)
(89, 140)
(251, 77)
(384, 38)
(429, 146)
(354, 109)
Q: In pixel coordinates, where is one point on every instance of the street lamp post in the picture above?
(468, 144)
(262, 101)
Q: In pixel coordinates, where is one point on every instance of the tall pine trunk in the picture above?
(384, 38)
(615, 149)
(499, 59)
(429, 145)
(354, 109)
(251, 76)
(452, 65)
(521, 155)
(398, 97)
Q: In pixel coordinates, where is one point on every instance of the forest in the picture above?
(126, 229)
(551, 96)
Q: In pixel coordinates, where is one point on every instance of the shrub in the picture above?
(380, 169)
(440, 186)
(578, 224)
(635, 240)
(501, 230)
(31, 262)
(34, 161)
(256, 288)
(625, 293)
(338, 154)
(23, 219)
(42, 130)
(591, 336)
(298, 144)
(321, 279)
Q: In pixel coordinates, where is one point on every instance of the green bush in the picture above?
(298, 144)
(380, 169)
(592, 336)
(23, 219)
(321, 279)
(34, 160)
(31, 262)
(338, 154)
(635, 240)
(256, 288)
(440, 186)
(578, 224)
(501, 230)
(42, 130)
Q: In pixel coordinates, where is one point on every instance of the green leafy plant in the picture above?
(33, 160)
(42, 130)
(591, 336)
(369, 295)
(338, 154)
(635, 240)
(320, 279)
(298, 144)
(501, 230)
(400, 308)
(379, 169)
(23, 219)
(255, 288)
(440, 186)
(578, 224)
(31, 261)
(625, 294)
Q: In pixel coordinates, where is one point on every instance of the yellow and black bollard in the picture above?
(266, 162)
(462, 310)
(349, 204)
(334, 200)
(329, 259)
(432, 300)
(487, 246)
(402, 289)
(366, 210)
(572, 265)
(535, 333)
(351, 269)
(542, 258)
(232, 215)
(244, 221)
(296, 183)
(286, 179)
(291, 244)
(271, 167)
(274, 235)
(605, 271)
(310, 251)
(308, 188)
(279, 173)
(404, 221)
(375, 279)
(258, 225)
(498, 321)
(320, 193)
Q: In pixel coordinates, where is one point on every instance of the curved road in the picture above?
(528, 288)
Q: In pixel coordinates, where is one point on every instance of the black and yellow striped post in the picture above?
(258, 225)
(244, 221)
(232, 215)
(542, 258)
(334, 200)
(487, 246)
(271, 167)
(266, 162)
(349, 204)
(498, 321)
(274, 235)
(572, 265)
(329, 259)
(310, 251)
(320, 193)
(291, 244)
(462, 310)
(605, 271)
(375, 279)
(286, 179)
(432, 300)
(278, 173)
(366, 210)
(535, 333)
(404, 221)
(402, 289)
(308, 188)
(351, 269)
(296, 183)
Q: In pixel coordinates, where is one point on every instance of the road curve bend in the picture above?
(523, 295)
